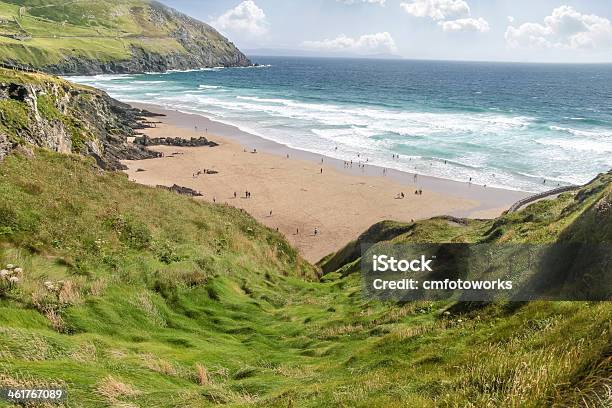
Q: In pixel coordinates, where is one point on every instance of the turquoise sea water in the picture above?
(510, 125)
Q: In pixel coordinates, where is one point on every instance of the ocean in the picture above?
(527, 127)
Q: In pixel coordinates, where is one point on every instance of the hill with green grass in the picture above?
(132, 296)
(108, 36)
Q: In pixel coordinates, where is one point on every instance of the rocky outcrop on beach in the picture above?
(182, 190)
(119, 37)
(174, 141)
(51, 113)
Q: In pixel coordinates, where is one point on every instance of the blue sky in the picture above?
(504, 30)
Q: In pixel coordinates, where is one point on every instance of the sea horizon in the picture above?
(527, 127)
(253, 56)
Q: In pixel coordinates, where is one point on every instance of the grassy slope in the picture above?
(168, 301)
(160, 283)
(102, 30)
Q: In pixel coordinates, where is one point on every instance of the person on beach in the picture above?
(270, 213)
(235, 194)
(420, 192)
(316, 231)
(321, 170)
(297, 231)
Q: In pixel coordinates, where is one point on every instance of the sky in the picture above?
(480, 30)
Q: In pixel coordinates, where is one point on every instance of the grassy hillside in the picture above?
(107, 36)
(134, 296)
(166, 301)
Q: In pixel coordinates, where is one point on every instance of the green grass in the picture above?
(14, 119)
(156, 284)
(107, 30)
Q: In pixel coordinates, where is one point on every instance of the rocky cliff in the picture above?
(109, 36)
(44, 111)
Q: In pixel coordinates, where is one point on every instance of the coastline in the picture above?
(490, 197)
(340, 202)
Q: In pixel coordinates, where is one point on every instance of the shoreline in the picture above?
(299, 194)
(491, 198)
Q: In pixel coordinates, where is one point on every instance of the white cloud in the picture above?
(510, 19)
(365, 44)
(564, 28)
(451, 15)
(381, 2)
(465, 24)
(246, 18)
(437, 9)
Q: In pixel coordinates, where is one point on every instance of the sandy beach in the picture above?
(298, 192)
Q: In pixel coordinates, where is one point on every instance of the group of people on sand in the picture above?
(316, 231)
(349, 164)
(200, 172)
(247, 194)
(195, 128)
(401, 194)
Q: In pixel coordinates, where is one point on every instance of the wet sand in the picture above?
(339, 202)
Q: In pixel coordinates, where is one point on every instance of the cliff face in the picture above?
(117, 36)
(142, 60)
(47, 112)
